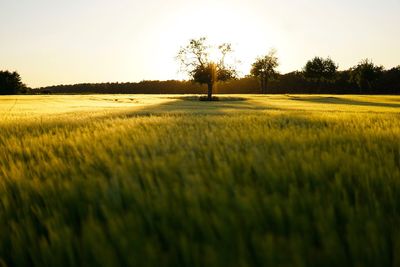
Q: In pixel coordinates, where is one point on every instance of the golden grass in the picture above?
(128, 180)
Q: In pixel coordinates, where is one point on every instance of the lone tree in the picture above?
(264, 68)
(320, 70)
(365, 74)
(10, 83)
(195, 60)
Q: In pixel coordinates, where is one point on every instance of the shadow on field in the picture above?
(191, 105)
(220, 98)
(342, 101)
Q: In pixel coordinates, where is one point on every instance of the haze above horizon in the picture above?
(63, 42)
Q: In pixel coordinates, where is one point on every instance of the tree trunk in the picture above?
(209, 92)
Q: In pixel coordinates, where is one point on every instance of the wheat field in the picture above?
(164, 180)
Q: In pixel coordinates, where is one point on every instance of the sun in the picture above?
(220, 23)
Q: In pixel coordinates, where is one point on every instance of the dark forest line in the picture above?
(293, 83)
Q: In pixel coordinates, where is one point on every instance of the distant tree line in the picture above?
(358, 80)
(248, 85)
(319, 76)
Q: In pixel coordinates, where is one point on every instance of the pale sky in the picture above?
(53, 42)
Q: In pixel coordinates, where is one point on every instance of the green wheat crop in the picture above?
(171, 181)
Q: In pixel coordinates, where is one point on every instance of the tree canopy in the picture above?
(365, 74)
(320, 69)
(206, 64)
(10, 83)
(264, 68)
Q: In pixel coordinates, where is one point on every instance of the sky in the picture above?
(53, 42)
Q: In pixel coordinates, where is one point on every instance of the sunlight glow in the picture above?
(64, 42)
(248, 34)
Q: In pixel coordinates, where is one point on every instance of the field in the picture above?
(132, 180)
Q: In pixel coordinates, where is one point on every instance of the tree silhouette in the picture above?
(264, 68)
(320, 70)
(195, 60)
(10, 83)
(365, 74)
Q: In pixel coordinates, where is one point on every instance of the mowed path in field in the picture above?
(167, 180)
